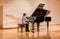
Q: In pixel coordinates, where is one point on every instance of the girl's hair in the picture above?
(24, 14)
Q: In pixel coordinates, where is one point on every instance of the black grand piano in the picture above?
(39, 15)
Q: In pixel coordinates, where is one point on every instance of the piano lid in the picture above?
(39, 11)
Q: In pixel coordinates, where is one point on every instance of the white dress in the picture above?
(24, 20)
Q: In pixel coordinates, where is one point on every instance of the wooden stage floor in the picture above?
(52, 33)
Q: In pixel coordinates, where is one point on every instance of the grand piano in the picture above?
(39, 15)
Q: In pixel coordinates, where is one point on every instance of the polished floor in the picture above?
(52, 33)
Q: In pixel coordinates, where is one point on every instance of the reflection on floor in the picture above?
(52, 33)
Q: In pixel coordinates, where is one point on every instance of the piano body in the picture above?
(39, 15)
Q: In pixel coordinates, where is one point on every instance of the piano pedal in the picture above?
(32, 30)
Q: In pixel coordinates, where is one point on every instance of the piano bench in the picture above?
(21, 26)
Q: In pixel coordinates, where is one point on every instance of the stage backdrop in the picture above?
(14, 9)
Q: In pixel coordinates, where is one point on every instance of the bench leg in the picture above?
(21, 28)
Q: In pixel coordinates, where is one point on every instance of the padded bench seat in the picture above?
(21, 26)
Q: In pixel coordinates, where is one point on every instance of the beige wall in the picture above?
(13, 10)
(1, 2)
(1, 17)
(1, 14)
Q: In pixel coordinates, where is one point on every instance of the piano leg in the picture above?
(38, 27)
(47, 25)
